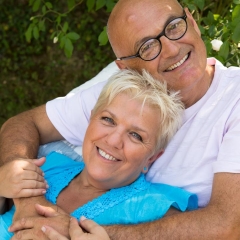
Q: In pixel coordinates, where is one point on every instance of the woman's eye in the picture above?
(137, 136)
(108, 120)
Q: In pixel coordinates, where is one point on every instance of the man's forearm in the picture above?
(201, 224)
(18, 139)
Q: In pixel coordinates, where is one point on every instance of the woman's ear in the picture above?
(152, 160)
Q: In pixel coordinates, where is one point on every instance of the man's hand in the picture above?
(94, 231)
(30, 228)
(22, 178)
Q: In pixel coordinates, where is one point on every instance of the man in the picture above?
(203, 157)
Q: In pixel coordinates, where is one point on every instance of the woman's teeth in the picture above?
(106, 156)
(178, 63)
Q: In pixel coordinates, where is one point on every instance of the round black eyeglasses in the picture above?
(150, 49)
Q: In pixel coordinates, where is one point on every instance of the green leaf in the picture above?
(100, 4)
(110, 5)
(36, 5)
(35, 32)
(90, 4)
(44, 9)
(28, 33)
(200, 4)
(41, 25)
(58, 20)
(224, 50)
(48, 5)
(65, 27)
(236, 1)
(62, 41)
(73, 36)
(210, 18)
(68, 48)
(236, 13)
(71, 4)
(103, 38)
(236, 34)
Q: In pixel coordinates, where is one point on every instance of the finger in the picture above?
(23, 223)
(91, 226)
(39, 162)
(34, 165)
(46, 211)
(29, 234)
(75, 230)
(52, 234)
(32, 192)
(32, 175)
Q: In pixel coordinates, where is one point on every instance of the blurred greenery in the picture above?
(35, 70)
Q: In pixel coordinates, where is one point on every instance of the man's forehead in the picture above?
(149, 26)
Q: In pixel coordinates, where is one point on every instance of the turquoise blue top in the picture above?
(141, 201)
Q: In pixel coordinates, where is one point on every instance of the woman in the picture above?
(130, 125)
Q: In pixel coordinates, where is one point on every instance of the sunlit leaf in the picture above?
(65, 27)
(236, 34)
(73, 36)
(49, 5)
(224, 50)
(103, 38)
(68, 48)
(35, 32)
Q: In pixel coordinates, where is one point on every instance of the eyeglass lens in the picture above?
(173, 31)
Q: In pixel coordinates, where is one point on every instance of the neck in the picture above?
(194, 93)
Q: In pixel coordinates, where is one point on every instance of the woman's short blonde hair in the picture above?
(154, 93)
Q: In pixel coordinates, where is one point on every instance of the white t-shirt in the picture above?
(207, 143)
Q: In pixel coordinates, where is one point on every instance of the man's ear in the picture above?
(192, 21)
(120, 64)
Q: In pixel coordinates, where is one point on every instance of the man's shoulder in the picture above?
(101, 77)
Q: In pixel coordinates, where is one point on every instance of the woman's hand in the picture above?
(22, 178)
(94, 231)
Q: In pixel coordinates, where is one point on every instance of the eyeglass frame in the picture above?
(162, 33)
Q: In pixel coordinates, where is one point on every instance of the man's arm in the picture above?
(20, 137)
(219, 220)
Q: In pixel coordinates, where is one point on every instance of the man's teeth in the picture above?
(178, 63)
(107, 156)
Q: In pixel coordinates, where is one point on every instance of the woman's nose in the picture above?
(115, 139)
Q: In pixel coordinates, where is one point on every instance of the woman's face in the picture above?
(119, 142)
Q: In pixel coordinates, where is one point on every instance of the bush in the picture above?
(34, 72)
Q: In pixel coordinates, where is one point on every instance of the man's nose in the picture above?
(169, 48)
(115, 139)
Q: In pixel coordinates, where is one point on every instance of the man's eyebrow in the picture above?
(141, 41)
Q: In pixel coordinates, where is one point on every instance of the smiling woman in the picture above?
(130, 126)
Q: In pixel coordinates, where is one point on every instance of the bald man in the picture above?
(203, 157)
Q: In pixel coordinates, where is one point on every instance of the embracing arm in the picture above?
(219, 220)
(20, 137)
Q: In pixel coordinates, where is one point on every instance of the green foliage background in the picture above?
(35, 70)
